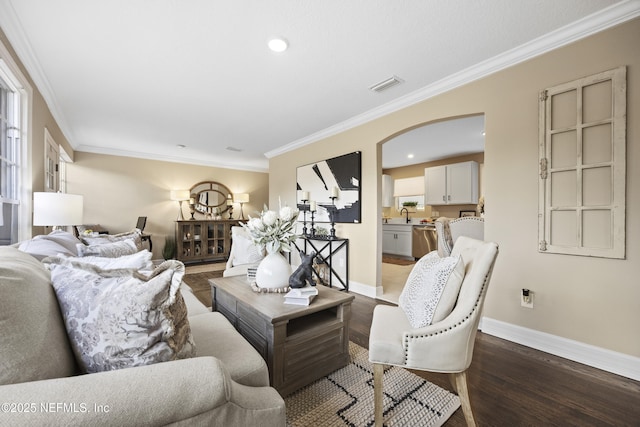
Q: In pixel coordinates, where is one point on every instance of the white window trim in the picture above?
(50, 142)
(10, 72)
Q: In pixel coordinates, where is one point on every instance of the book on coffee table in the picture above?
(301, 296)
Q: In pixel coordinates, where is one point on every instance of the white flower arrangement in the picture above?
(273, 231)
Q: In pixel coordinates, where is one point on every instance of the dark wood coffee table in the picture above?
(299, 343)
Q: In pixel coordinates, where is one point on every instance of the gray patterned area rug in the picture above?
(345, 398)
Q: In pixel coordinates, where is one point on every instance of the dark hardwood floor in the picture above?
(513, 385)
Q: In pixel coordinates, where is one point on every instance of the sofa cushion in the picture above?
(109, 249)
(122, 318)
(33, 340)
(216, 336)
(52, 244)
(194, 306)
(432, 288)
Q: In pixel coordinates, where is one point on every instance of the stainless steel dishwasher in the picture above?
(424, 240)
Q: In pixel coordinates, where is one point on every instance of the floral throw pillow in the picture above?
(138, 261)
(432, 288)
(122, 318)
(102, 239)
(109, 250)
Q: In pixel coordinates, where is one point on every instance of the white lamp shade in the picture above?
(57, 209)
(241, 197)
(180, 195)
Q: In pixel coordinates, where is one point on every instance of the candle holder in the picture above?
(304, 216)
(192, 208)
(313, 230)
(332, 232)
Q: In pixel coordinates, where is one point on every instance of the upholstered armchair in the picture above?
(243, 254)
(448, 230)
(444, 346)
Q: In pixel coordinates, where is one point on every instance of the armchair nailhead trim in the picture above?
(475, 306)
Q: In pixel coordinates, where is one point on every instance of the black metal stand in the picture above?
(318, 244)
(332, 234)
(304, 216)
(313, 229)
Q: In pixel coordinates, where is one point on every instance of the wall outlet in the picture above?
(526, 298)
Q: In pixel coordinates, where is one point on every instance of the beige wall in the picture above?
(591, 300)
(451, 211)
(117, 190)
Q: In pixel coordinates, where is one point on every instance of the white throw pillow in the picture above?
(245, 252)
(432, 288)
(140, 261)
(121, 318)
(52, 244)
(42, 248)
(109, 250)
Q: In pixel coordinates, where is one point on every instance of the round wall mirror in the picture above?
(210, 198)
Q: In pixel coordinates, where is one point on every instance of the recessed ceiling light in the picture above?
(409, 156)
(278, 44)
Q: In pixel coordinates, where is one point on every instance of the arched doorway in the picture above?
(404, 157)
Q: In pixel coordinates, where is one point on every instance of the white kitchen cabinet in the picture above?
(454, 184)
(396, 239)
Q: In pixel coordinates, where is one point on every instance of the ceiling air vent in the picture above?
(386, 84)
(237, 150)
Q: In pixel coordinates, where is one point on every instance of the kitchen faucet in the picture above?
(407, 211)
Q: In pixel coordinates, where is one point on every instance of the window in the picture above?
(582, 166)
(409, 200)
(15, 182)
(62, 170)
(51, 160)
(409, 191)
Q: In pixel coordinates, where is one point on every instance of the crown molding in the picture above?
(171, 159)
(592, 24)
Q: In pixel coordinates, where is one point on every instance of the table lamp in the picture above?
(180, 196)
(57, 209)
(241, 198)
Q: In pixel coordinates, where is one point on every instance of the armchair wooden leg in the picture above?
(463, 394)
(378, 374)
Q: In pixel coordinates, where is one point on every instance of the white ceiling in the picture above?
(440, 140)
(140, 77)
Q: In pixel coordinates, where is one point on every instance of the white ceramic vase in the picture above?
(273, 271)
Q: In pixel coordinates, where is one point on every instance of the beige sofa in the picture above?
(227, 383)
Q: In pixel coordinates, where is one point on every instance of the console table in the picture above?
(299, 343)
(201, 240)
(326, 249)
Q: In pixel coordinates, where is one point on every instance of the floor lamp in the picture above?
(57, 209)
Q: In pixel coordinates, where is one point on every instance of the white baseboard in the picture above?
(597, 357)
(366, 290)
